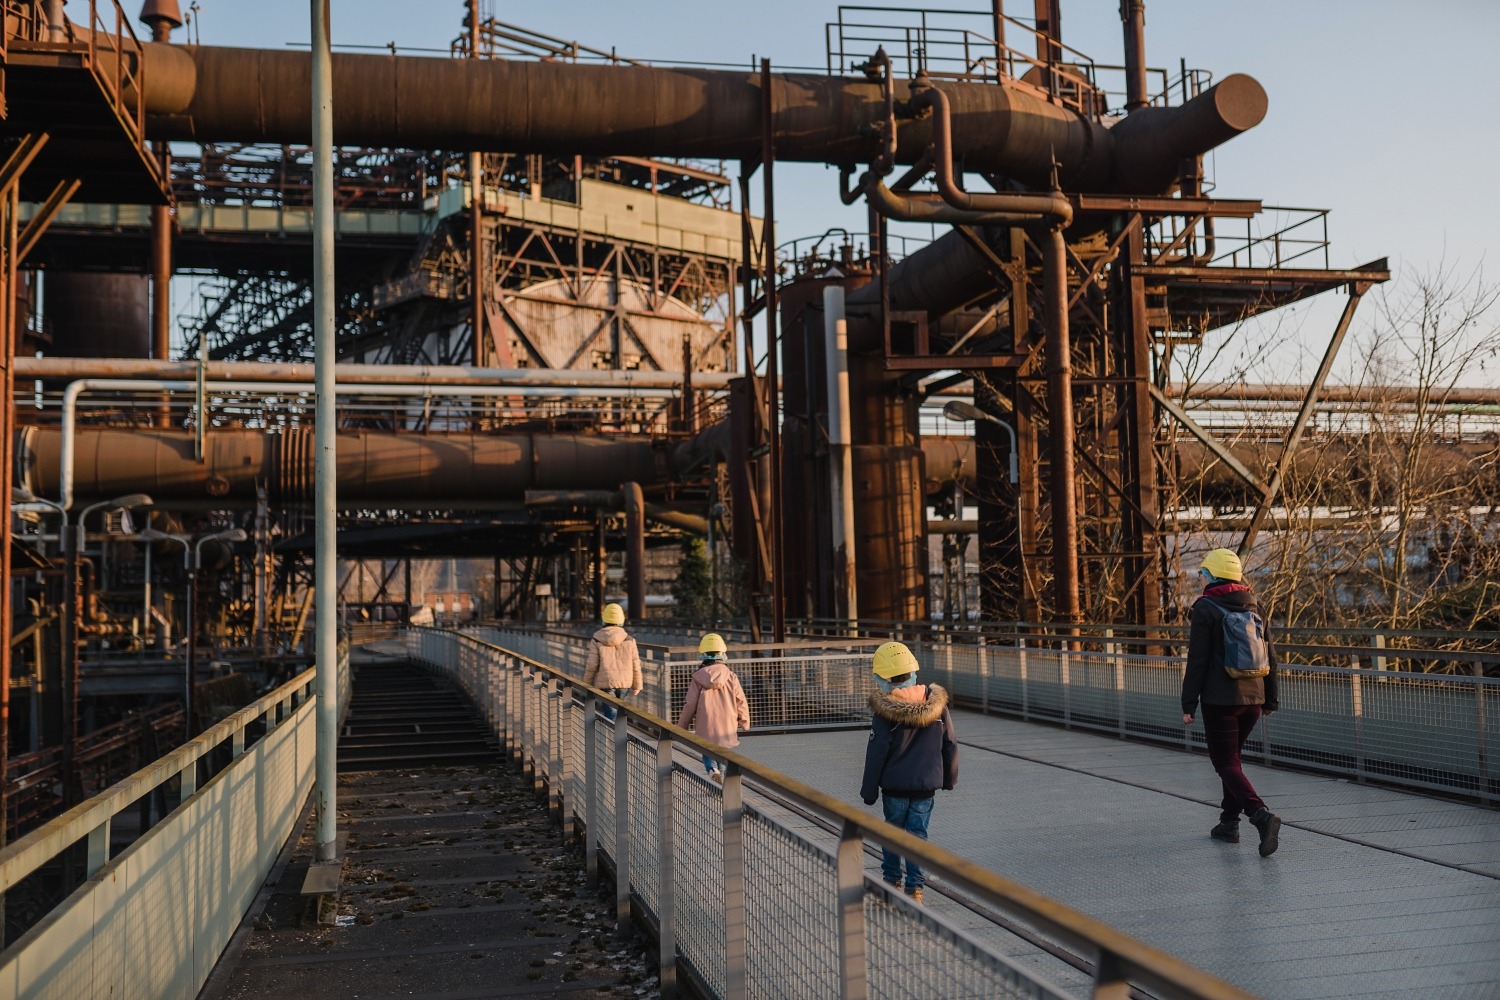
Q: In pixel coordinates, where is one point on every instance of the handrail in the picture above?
(30, 852)
(1119, 956)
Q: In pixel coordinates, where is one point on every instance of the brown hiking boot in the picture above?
(1269, 825)
(916, 895)
(1227, 832)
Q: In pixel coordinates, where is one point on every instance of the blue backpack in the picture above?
(1246, 653)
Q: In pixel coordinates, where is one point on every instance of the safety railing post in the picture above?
(1110, 982)
(554, 748)
(1065, 681)
(591, 790)
(1112, 653)
(1025, 685)
(98, 848)
(187, 782)
(483, 683)
(734, 884)
(566, 798)
(1481, 735)
(537, 697)
(984, 675)
(666, 911)
(853, 965)
(622, 824)
(509, 680)
(1357, 713)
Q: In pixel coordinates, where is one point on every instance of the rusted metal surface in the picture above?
(253, 95)
(372, 465)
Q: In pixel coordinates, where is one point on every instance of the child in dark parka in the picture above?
(912, 753)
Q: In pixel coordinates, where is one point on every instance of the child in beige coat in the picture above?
(716, 701)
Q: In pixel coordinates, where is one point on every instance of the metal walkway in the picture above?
(1374, 893)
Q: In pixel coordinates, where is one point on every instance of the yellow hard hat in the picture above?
(1223, 564)
(613, 615)
(712, 643)
(892, 660)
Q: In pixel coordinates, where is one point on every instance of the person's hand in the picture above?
(1187, 720)
(634, 692)
(870, 802)
(1268, 711)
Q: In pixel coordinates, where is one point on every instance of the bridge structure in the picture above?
(527, 318)
(1073, 860)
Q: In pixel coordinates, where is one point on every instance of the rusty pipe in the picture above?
(389, 467)
(1020, 205)
(1133, 20)
(615, 500)
(925, 208)
(205, 94)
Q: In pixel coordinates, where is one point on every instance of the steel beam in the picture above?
(1309, 402)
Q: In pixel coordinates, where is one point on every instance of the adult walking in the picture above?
(1231, 669)
(614, 663)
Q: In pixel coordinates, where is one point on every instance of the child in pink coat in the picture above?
(716, 701)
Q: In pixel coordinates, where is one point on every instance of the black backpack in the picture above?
(1246, 653)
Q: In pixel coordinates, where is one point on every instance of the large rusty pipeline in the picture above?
(207, 94)
(373, 466)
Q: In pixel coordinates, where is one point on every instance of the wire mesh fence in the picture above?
(741, 902)
(1427, 731)
(1424, 731)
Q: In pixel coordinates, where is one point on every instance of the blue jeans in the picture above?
(911, 815)
(710, 764)
(607, 710)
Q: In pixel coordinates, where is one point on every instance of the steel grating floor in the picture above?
(1374, 893)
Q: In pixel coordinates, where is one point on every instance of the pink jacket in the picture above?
(716, 700)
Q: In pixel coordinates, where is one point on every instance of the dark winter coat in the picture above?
(913, 750)
(1205, 679)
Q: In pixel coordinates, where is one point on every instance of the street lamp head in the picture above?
(157, 535)
(232, 535)
(958, 410)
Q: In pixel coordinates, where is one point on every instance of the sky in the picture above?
(1379, 111)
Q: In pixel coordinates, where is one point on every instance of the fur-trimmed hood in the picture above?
(917, 714)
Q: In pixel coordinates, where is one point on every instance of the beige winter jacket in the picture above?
(613, 660)
(716, 700)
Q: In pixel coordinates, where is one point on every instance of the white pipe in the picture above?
(840, 457)
(351, 374)
(326, 472)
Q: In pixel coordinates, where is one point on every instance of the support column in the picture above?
(325, 471)
(1060, 428)
(840, 453)
(635, 549)
(773, 381)
(1143, 570)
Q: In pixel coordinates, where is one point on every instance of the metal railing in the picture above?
(1423, 731)
(743, 904)
(152, 915)
(788, 685)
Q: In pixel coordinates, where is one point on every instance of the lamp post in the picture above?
(958, 410)
(72, 537)
(192, 558)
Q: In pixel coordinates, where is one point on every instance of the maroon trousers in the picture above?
(1226, 728)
